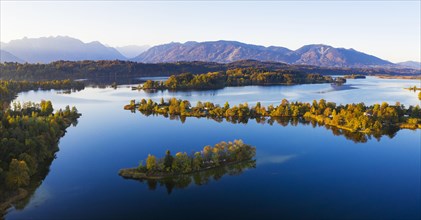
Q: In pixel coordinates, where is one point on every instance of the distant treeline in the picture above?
(114, 70)
(9, 89)
(237, 77)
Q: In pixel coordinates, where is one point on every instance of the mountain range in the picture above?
(48, 49)
(229, 51)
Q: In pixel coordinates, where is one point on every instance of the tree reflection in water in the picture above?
(199, 178)
(357, 137)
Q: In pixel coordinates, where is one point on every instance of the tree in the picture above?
(18, 174)
(168, 160)
(181, 163)
(197, 161)
(151, 162)
(46, 107)
(215, 159)
(226, 106)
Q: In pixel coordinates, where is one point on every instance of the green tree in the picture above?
(181, 163)
(168, 160)
(46, 107)
(18, 174)
(151, 162)
(197, 161)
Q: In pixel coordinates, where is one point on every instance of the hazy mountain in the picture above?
(216, 51)
(8, 57)
(48, 49)
(131, 51)
(410, 64)
(229, 51)
(324, 55)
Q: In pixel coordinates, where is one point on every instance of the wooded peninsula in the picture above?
(29, 135)
(374, 119)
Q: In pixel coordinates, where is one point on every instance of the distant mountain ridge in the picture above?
(229, 51)
(48, 49)
(8, 57)
(410, 64)
(131, 51)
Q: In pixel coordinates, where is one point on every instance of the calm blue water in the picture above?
(302, 172)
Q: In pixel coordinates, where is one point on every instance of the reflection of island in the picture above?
(199, 178)
(357, 137)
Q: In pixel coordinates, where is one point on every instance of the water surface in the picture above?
(302, 171)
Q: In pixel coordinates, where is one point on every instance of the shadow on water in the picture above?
(199, 178)
(338, 87)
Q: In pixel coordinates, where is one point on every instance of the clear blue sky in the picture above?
(390, 30)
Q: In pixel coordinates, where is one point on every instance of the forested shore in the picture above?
(114, 70)
(10, 88)
(29, 136)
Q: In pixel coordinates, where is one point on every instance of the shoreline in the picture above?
(21, 194)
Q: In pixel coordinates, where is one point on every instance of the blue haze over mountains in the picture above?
(49, 49)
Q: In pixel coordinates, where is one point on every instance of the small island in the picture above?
(413, 88)
(221, 154)
(354, 76)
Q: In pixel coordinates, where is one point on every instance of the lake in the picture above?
(301, 172)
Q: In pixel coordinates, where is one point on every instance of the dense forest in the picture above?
(237, 77)
(29, 135)
(221, 154)
(113, 70)
(374, 119)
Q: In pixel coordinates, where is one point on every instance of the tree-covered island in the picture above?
(199, 178)
(237, 77)
(374, 119)
(221, 154)
(354, 76)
